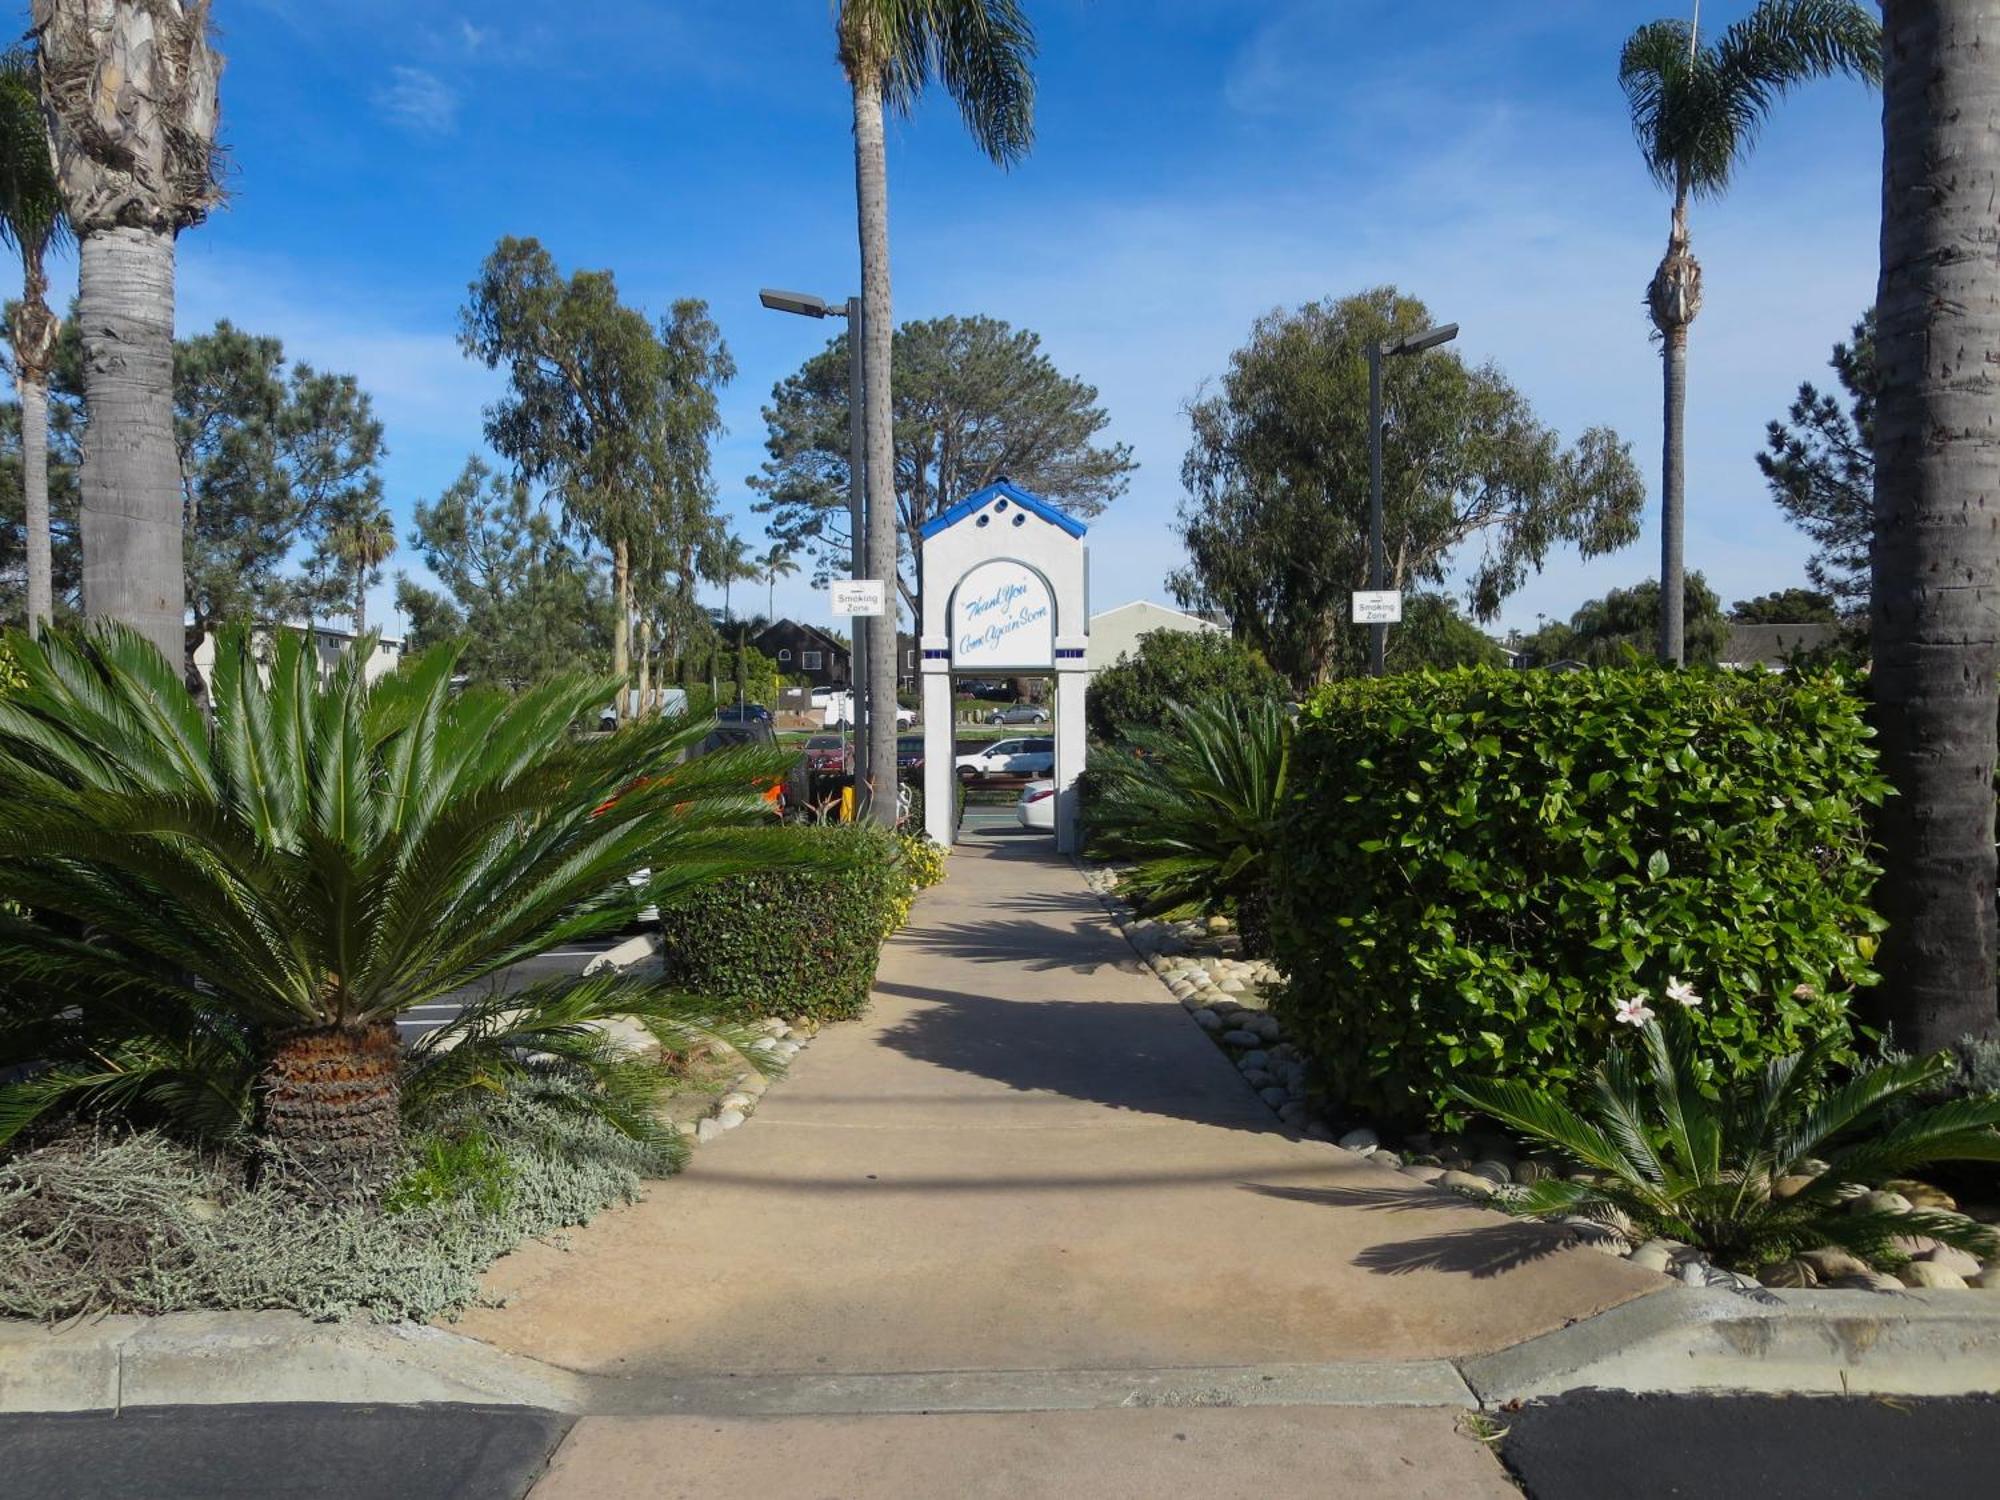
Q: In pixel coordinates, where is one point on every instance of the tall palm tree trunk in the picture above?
(130, 481)
(1936, 597)
(35, 495)
(361, 601)
(871, 191)
(1674, 298)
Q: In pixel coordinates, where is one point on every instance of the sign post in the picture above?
(859, 599)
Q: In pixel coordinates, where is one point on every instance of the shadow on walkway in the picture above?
(1481, 1250)
(1127, 1056)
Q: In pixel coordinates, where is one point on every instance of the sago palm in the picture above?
(1936, 554)
(1696, 110)
(31, 221)
(1194, 805)
(1712, 1171)
(207, 913)
(891, 50)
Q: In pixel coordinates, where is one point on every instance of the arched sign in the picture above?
(1002, 619)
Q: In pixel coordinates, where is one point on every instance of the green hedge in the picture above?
(1479, 865)
(793, 943)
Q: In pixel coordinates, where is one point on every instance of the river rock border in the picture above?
(1201, 966)
(783, 1042)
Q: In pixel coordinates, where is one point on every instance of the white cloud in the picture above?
(418, 101)
(474, 37)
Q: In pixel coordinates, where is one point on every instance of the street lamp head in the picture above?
(1430, 338)
(803, 303)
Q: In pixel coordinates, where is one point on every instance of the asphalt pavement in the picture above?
(1606, 1445)
(301, 1452)
(572, 959)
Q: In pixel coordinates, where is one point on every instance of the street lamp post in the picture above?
(807, 306)
(1379, 350)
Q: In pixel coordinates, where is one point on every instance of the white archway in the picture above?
(1007, 592)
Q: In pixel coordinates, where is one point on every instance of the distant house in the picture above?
(1115, 633)
(328, 646)
(807, 651)
(1767, 646)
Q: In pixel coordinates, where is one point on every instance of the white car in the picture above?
(839, 714)
(1037, 807)
(1036, 757)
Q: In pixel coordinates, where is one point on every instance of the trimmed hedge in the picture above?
(791, 943)
(1480, 864)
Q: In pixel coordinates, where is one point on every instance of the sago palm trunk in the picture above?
(871, 194)
(1936, 555)
(331, 1106)
(130, 483)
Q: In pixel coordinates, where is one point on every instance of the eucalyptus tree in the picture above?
(1696, 110)
(129, 88)
(32, 221)
(1936, 556)
(890, 51)
(613, 416)
(1275, 520)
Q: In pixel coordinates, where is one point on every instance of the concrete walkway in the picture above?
(1027, 1158)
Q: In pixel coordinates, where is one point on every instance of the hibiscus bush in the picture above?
(1476, 866)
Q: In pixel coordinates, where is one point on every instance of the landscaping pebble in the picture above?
(1241, 1038)
(1423, 1171)
(1360, 1140)
(1831, 1264)
(1274, 1096)
(1789, 1273)
(1962, 1262)
(1465, 1182)
(1208, 1020)
(1492, 1171)
(1256, 1059)
(1654, 1255)
(1927, 1273)
(1789, 1187)
(1880, 1203)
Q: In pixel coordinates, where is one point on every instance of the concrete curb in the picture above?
(205, 1359)
(1917, 1343)
(1930, 1343)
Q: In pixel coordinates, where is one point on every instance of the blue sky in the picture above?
(1199, 162)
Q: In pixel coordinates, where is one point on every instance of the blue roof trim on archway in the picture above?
(977, 501)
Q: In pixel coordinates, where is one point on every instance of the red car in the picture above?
(827, 755)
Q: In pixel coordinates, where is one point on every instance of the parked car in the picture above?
(909, 754)
(743, 713)
(1020, 713)
(839, 714)
(1037, 805)
(827, 755)
(1009, 758)
(788, 791)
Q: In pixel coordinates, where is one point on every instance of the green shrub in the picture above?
(1171, 666)
(1477, 865)
(793, 943)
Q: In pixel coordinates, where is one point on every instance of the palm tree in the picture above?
(725, 557)
(129, 89)
(1936, 557)
(890, 50)
(364, 544)
(219, 918)
(1696, 110)
(775, 564)
(31, 220)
